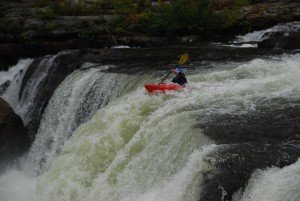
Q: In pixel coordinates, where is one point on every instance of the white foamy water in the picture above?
(80, 95)
(17, 186)
(28, 107)
(148, 147)
(14, 76)
(274, 184)
(241, 45)
(261, 35)
(24, 108)
(120, 47)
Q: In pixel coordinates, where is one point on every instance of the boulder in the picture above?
(236, 163)
(13, 136)
(260, 139)
(281, 41)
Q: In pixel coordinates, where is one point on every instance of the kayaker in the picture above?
(179, 75)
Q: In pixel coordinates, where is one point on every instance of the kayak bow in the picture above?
(155, 87)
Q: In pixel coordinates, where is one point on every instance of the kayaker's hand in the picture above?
(175, 72)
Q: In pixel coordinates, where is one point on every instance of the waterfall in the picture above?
(81, 94)
(103, 137)
(261, 35)
(145, 147)
(274, 184)
(27, 105)
(11, 80)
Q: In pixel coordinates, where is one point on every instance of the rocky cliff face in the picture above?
(30, 31)
(13, 135)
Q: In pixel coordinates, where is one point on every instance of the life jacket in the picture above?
(180, 78)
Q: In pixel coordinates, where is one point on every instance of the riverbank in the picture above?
(31, 30)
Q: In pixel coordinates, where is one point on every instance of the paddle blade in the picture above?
(183, 59)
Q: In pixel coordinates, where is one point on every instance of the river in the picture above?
(232, 133)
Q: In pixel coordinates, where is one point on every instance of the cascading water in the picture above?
(141, 146)
(273, 184)
(261, 35)
(73, 103)
(11, 80)
(250, 40)
(26, 104)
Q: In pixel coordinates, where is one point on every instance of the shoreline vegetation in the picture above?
(36, 28)
(152, 18)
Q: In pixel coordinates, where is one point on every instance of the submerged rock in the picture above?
(279, 40)
(236, 163)
(261, 139)
(4, 87)
(13, 135)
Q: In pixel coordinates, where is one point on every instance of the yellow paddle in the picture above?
(181, 61)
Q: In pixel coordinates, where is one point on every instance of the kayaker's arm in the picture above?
(174, 71)
(167, 75)
(182, 60)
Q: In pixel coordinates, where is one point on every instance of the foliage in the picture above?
(87, 35)
(26, 39)
(66, 8)
(69, 8)
(229, 4)
(227, 18)
(84, 35)
(10, 26)
(2, 12)
(47, 14)
(241, 2)
(182, 17)
(51, 25)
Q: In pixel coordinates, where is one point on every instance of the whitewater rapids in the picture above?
(141, 147)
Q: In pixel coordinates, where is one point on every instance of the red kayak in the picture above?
(154, 87)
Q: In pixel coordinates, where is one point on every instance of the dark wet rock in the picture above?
(136, 40)
(8, 49)
(260, 139)
(141, 60)
(265, 125)
(281, 40)
(235, 164)
(8, 55)
(13, 135)
(4, 86)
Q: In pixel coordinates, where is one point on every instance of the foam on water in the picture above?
(24, 108)
(80, 95)
(14, 75)
(120, 47)
(261, 35)
(135, 148)
(274, 184)
(147, 147)
(16, 186)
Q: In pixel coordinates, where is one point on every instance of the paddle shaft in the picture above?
(167, 76)
(181, 61)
